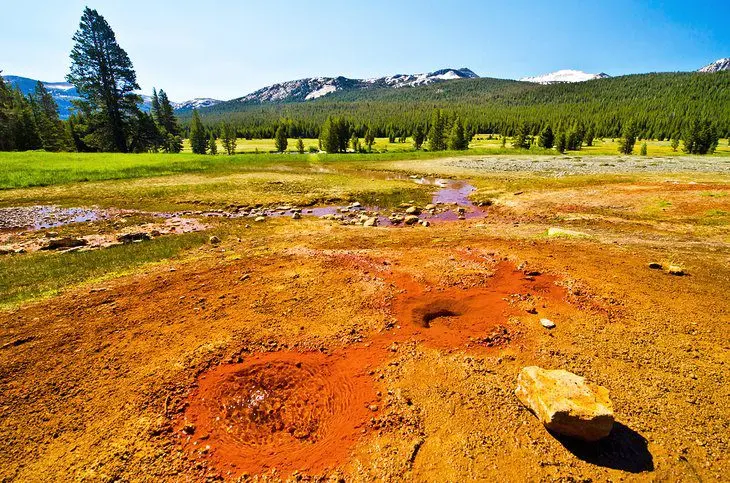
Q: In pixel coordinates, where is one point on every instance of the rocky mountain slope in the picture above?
(316, 87)
(717, 66)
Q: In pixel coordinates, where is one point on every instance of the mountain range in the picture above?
(316, 87)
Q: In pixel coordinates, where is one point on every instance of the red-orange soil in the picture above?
(305, 411)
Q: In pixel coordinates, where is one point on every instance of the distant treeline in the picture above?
(662, 105)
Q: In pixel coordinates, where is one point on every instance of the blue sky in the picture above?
(227, 48)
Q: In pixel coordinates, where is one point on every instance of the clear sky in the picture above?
(228, 48)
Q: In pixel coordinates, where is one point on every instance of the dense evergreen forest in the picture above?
(662, 104)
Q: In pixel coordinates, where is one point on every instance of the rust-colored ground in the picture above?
(311, 350)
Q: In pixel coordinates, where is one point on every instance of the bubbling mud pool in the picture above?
(284, 410)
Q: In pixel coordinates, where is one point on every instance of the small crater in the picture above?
(438, 309)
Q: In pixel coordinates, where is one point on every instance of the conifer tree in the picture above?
(104, 77)
(643, 150)
(144, 135)
(156, 111)
(300, 146)
(212, 145)
(521, 139)
(5, 106)
(457, 138)
(369, 139)
(167, 115)
(229, 138)
(198, 140)
(50, 128)
(547, 138)
(280, 138)
(628, 140)
(436, 138)
(419, 136)
(335, 135)
(561, 142)
(675, 142)
(590, 136)
(701, 138)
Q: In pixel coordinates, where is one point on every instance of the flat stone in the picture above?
(547, 323)
(260, 218)
(413, 210)
(565, 403)
(370, 222)
(411, 220)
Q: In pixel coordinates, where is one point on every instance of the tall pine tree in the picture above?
(104, 77)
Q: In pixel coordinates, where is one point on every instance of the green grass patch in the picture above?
(39, 274)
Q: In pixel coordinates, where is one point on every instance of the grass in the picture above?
(43, 274)
(38, 168)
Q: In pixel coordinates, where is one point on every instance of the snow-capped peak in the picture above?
(197, 103)
(717, 66)
(565, 75)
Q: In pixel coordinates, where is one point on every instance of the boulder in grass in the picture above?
(565, 403)
(63, 243)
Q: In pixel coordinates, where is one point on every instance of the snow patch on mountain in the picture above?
(197, 103)
(323, 91)
(565, 75)
(316, 87)
(717, 66)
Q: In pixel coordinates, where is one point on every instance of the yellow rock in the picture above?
(565, 403)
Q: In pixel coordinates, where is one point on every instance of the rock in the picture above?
(296, 216)
(425, 223)
(6, 250)
(356, 205)
(547, 323)
(214, 240)
(65, 242)
(430, 207)
(655, 266)
(260, 219)
(675, 270)
(410, 220)
(413, 210)
(370, 222)
(565, 403)
(562, 232)
(133, 237)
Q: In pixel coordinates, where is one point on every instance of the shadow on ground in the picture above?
(624, 449)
